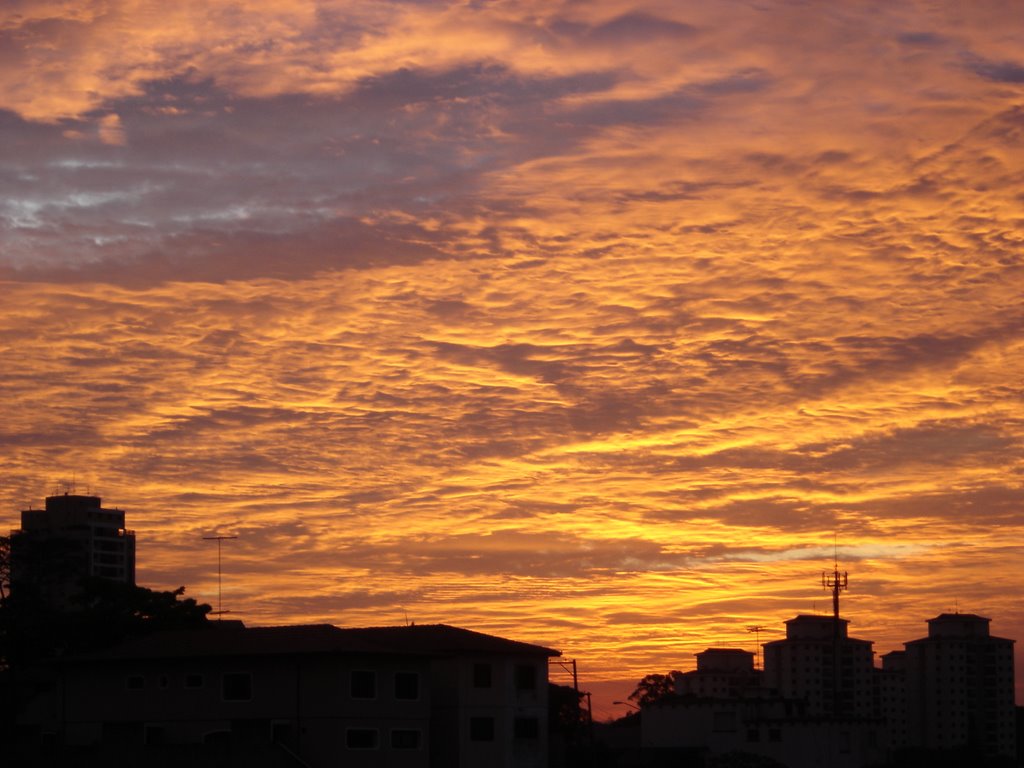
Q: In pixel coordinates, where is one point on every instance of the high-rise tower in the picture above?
(820, 663)
(960, 687)
(72, 539)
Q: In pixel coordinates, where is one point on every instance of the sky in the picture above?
(603, 325)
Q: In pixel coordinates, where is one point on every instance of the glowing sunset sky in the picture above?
(582, 323)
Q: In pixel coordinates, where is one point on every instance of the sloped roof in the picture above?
(428, 640)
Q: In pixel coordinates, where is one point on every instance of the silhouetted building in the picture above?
(73, 538)
(960, 687)
(720, 673)
(820, 664)
(762, 724)
(314, 695)
(891, 697)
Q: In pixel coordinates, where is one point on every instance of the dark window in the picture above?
(724, 722)
(281, 732)
(153, 734)
(405, 739)
(482, 675)
(774, 734)
(163, 681)
(753, 734)
(526, 677)
(361, 738)
(237, 686)
(526, 728)
(136, 682)
(364, 684)
(844, 742)
(407, 685)
(193, 681)
(481, 729)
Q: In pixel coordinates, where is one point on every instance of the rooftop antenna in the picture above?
(836, 581)
(219, 539)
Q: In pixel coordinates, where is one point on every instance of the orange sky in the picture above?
(586, 324)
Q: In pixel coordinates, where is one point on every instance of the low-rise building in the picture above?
(720, 673)
(891, 698)
(427, 695)
(765, 725)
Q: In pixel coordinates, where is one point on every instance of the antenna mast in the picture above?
(835, 581)
(219, 539)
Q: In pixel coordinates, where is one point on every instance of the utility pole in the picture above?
(570, 667)
(219, 539)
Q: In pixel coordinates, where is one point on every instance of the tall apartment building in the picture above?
(960, 687)
(72, 538)
(820, 664)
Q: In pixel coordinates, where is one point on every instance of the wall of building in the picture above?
(492, 710)
(960, 691)
(306, 703)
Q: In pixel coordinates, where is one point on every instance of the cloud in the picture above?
(111, 131)
(545, 317)
(997, 71)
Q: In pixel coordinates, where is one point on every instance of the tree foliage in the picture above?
(566, 711)
(5, 568)
(101, 614)
(654, 689)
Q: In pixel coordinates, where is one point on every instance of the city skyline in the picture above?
(65, 512)
(597, 319)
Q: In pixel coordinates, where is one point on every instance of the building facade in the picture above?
(72, 539)
(891, 698)
(758, 721)
(819, 663)
(960, 687)
(720, 673)
(314, 695)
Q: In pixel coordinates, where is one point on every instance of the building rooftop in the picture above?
(725, 660)
(237, 640)
(815, 627)
(70, 510)
(959, 626)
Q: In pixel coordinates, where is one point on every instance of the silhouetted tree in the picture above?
(566, 712)
(5, 568)
(567, 721)
(654, 689)
(109, 610)
(101, 614)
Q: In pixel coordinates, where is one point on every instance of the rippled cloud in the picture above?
(589, 324)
